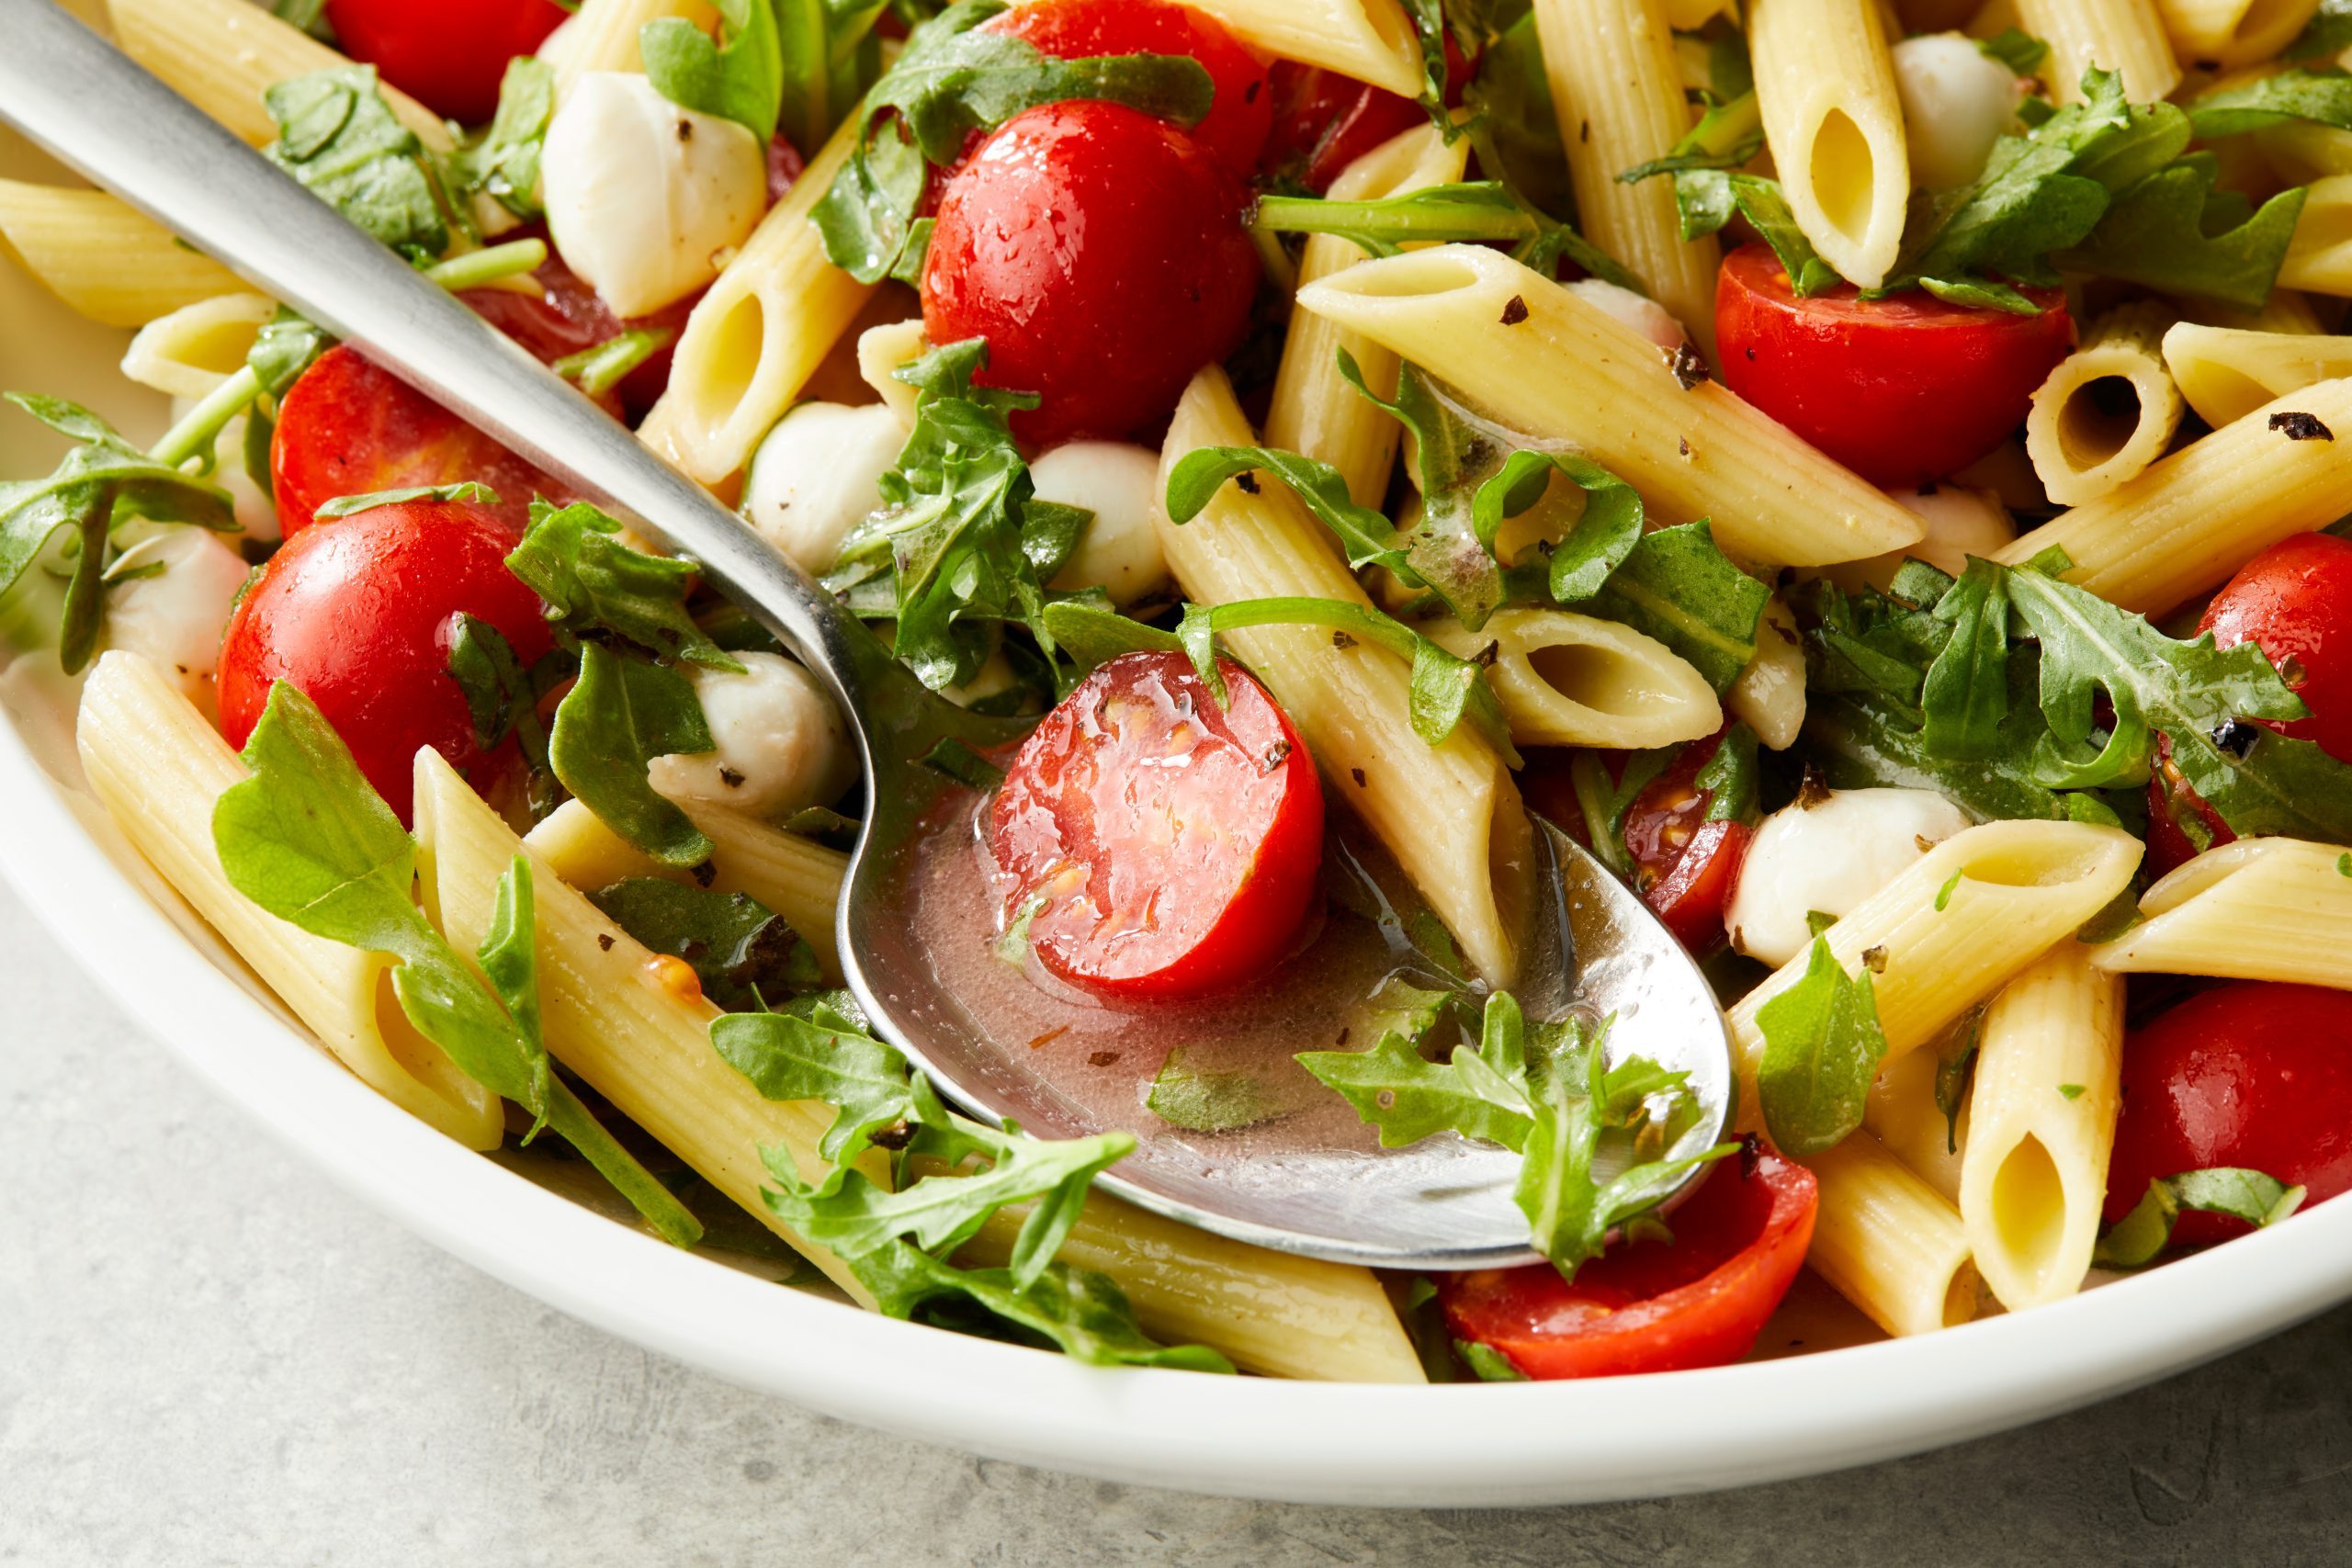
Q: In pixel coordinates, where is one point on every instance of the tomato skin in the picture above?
(1324, 121)
(2254, 1074)
(567, 316)
(1233, 132)
(449, 54)
(1900, 390)
(1647, 1306)
(1685, 867)
(347, 427)
(1102, 254)
(1193, 874)
(359, 612)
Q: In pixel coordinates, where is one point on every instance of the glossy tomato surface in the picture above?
(1649, 1306)
(349, 428)
(1100, 252)
(2253, 1075)
(1685, 867)
(1174, 842)
(1899, 390)
(1235, 129)
(361, 613)
(447, 53)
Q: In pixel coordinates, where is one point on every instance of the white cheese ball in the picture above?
(1829, 857)
(1118, 482)
(818, 474)
(1961, 523)
(644, 198)
(175, 616)
(1956, 100)
(779, 742)
(1646, 316)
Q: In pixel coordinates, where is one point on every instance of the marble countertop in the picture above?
(214, 1357)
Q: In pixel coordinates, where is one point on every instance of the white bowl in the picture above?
(1454, 1446)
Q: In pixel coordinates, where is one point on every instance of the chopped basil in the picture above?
(739, 76)
(503, 164)
(1205, 1099)
(337, 136)
(345, 505)
(1822, 1050)
(747, 958)
(2135, 1240)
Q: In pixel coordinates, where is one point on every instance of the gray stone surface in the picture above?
(208, 1356)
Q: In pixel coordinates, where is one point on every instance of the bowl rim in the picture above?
(1471, 1445)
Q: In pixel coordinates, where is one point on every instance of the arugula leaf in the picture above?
(1490, 1364)
(2133, 1241)
(1207, 1099)
(2155, 234)
(1765, 205)
(601, 367)
(345, 505)
(2322, 97)
(1964, 697)
(500, 694)
(2016, 49)
(1514, 127)
(1477, 211)
(1727, 137)
(820, 1051)
(746, 956)
(1676, 586)
(103, 482)
(1822, 1048)
(1729, 777)
(284, 347)
(830, 57)
(2328, 32)
(306, 840)
(504, 163)
(741, 79)
(622, 714)
(1365, 532)
(307, 14)
(1604, 804)
(573, 557)
(1093, 634)
(337, 136)
(1480, 1093)
(953, 80)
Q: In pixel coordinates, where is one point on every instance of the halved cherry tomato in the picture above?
(567, 317)
(361, 613)
(448, 53)
(1898, 389)
(348, 428)
(2255, 1075)
(2294, 602)
(1685, 866)
(1235, 131)
(1324, 121)
(1648, 1306)
(1173, 841)
(1100, 252)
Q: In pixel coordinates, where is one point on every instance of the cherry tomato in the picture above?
(1648, 1306)
(361, 613)
(1324, 121)
(2255, 1075)
(1100, 252)
(348, 428)
(1685, 866)
(447, 53)
(1899, 390)
(1235, 129)
(1174, 841)
(2294, 602)
(567, 316)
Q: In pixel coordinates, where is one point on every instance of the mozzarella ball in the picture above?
(175, 616)
(1646, 316)
(779, 744)
(1118, 482)
(644, 198)
(1828, 858)
(818, 474)
(1961, 523)
(1956, 101)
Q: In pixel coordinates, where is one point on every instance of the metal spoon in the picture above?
(1443, 1204)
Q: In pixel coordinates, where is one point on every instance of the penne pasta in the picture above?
(2010, 892)
(1833, 120)
(159, 766)
(2319, 260)
(1315, 410)
(2231, 33)
(1370, 40)
(2041, 1123)
(1768, 696)
(882, 349)
(1543, 362)
(2107, 411)
(1902, 1115)
(2227, 373)
(2125, 36)
(1888, 1242)
(1619, 103)
(2189, 522)
(194, 349)
(2229, 913)
(105, 261)
(1570, 680)
(1449, 814)
(765, 326)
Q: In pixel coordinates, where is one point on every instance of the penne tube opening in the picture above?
(2107, 411)
(194, 349)
(2222, 915)
(2229, 33)
(1824, 88)
(2029, 1207)
(1569, 679)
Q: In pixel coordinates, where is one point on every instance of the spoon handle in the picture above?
(96, 110)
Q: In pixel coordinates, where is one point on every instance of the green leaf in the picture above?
(2155, 235)
(1729, 776)
(2019, 51)
(747, 958)
(823, 1055)
(830, 57)
(284, 347)
(503, 162)
(1408, 1097)
(1822, 1048)
(502, 698)
(1471, 212)
(2329, 32)
(1513, 126)
(337, 136)
(1079, 1313)
(1365, 534)
(2319, 98)
(1965, 695)
(1205, 1100)
(345, 505)
(2135, 1240)
(1093, 634)
(1728, 136)
(1955, 1068)
(598, 369)
(1490, 1364)
(306, 840)
(1676, 586)
(955, 759)
(951, 80)
(741, 79)
(1763, 204)
(621, 714)
(573, 559)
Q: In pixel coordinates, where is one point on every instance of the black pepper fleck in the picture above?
(1810, 791)
(1515, 312)
(705, 874)
(1684, 444)
(1691, 367)
(1874, 960)
(2301, 427)
(2237, 738)
(1357, 775)
(730, 778)
(897, 1137)
(685, 131)
(1248, 482)
(1484, 657)
(604, 942)
(1341, 639)
(1102, 1058)
(1275, 757)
